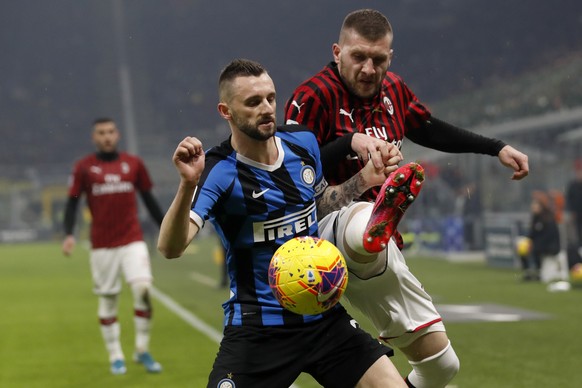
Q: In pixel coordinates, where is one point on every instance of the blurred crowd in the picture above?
(61, 68)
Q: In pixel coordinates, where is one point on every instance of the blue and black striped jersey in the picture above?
(255, 208)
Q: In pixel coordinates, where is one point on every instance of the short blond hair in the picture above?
(369, 23)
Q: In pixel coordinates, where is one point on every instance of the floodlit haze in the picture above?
(62, 59)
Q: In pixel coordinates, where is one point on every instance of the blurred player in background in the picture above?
(355, 106)
(260, 189)
(544, 236)
(110, 180)
(574, 216)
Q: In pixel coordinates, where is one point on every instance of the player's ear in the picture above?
(390, 57)
(224, 111)
(335, 49)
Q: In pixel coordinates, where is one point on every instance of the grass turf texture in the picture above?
(50, 335)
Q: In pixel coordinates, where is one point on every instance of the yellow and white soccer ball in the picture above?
(308, 275)
(523, 246)
(576, 273)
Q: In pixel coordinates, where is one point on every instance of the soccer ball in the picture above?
(523, 246)
(576, 272)
(308, 275)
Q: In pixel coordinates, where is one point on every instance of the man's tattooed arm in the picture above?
(335, 197)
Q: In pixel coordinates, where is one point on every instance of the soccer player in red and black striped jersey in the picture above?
(355, 106)
(110, 181)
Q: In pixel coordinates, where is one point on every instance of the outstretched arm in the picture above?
(177, 231)
(442, 136)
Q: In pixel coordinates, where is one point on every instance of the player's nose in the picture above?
(368, 66)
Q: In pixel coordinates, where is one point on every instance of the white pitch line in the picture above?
(206, 280)
(190, 318)
(187, 316)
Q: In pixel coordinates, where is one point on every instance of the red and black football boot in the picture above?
(397, 193)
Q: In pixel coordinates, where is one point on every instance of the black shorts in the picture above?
(334, 350)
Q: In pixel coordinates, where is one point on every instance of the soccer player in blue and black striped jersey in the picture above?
(260, 188)
(355, 105)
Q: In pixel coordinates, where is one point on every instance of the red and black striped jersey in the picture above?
(110, 187)
(325, 105)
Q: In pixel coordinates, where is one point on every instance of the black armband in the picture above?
(442, 136)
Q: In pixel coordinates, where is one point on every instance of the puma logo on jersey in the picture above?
(257, 195)
(345, 113)
(296, 105)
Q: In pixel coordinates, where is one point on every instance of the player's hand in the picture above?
(512, 158)
(373, 176)
(394, 158)
(189, 160)
(382, 153)
(68, 245)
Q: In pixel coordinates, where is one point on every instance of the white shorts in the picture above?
(107, 265)
(384, 290)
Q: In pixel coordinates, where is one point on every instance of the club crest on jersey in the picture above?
(226, 383)
(389, 105)
(124, 168)
(308, 175)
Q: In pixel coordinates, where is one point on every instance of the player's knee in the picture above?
(435, 371)
(141, 295)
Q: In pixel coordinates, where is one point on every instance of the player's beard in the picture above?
(364, 93)
(358, 88)
(252, 129)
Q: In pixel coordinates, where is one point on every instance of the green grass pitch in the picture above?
(49, 334)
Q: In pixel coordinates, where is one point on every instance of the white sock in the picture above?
(142, 333)
(350, 231)
(354, 232)
(111, 333)
(142, 315)
(435, 371)
(110, 328)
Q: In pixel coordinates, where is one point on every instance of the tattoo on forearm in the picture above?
(335, 197)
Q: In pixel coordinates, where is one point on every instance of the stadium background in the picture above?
(510, 69)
